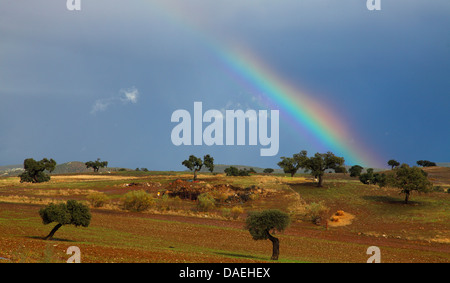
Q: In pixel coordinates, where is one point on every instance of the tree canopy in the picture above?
(320, 162)
(316, 164)
(291, 165)
(34, 170)
(340, 169)
(355, 170)
(370, 177)
(410, 179)
(234, 171)
(208, 161)
(262, 224)
(96, 165)
(195, 164)
(70, 213)
(425, 163)
(393, 163)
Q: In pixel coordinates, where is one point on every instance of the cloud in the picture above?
(100, 105)
(130, 95)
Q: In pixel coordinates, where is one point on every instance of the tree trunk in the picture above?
(292, 174)
(407, 197)
(275, 245)
(195, 175)
(50, 236)
(320, 184)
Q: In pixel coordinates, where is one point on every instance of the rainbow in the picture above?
(302, 110)
(298, 108)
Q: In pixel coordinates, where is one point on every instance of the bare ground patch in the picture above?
(340, 218)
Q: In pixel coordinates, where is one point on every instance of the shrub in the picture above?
(244, 172)
(233, 171)
(205, 202)
(163, 203)
(226, 212)
(177, 203)
(253, 196)
(438, 189)
(97, 199)
(315, 212)
(168, 203)
(137, 201)
(236, 211)
(222, 197)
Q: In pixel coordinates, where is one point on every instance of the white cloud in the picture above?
(100, 105)
(130, 95)
(126, 96)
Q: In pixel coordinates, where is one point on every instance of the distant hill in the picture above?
(220, 168)
(65, 168)
(78, 167)
(443, 164)
(71, 167)
(11, 170)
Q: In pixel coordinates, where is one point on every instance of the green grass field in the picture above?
(417, 232)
